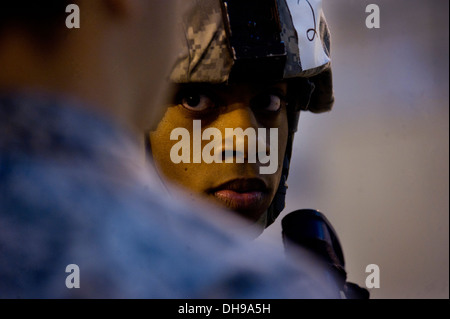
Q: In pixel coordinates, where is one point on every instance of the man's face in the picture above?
(241, 187)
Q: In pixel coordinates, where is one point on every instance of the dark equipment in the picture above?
(310, 229)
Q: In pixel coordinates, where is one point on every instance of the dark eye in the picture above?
(196, 101)
(268, 102)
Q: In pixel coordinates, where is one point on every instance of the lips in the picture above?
(245, 196)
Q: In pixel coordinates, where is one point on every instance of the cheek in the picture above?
(282, 144)
(282, 125)
(182, 174)
(161, 144)
(159, 150)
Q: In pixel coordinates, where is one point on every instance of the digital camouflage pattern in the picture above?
(206, 56)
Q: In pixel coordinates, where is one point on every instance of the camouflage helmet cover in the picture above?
(208, 55)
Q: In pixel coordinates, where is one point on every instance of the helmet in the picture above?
(224, 41)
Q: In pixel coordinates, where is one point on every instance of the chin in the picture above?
(254, 228)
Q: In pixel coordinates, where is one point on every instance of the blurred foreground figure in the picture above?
(73, 188)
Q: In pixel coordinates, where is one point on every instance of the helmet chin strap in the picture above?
(299, 103)
(279, 201)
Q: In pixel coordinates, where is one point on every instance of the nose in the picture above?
(238, 115)
(241, 137)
